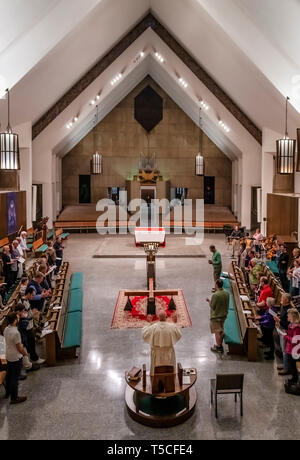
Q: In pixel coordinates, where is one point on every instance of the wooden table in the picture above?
(136, 392)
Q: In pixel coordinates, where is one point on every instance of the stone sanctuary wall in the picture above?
(121, 139)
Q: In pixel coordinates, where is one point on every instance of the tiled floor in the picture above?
(85, 399)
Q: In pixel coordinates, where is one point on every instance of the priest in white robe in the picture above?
(162, 337)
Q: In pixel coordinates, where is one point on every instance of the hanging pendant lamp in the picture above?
(199, 157)
(286, 149)
(97, 159)
(9, 146)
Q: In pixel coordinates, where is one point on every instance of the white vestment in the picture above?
(162, 337)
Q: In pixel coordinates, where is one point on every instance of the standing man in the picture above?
(216, 262)
(31, 348)
(15, 260)
(58, 247)
(236, 235)
(219, 307)
(283, 265)
(162, 337)
(14, 354)
(37, 302)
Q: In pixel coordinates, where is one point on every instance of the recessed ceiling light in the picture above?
(116, 79)
(204, 105)
(224, 126)
(183, 83)
(159, 57)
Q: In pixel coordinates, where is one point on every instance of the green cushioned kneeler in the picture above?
(50, 235)
(75, 301)
(273, 267)
(226, 284)
(231, 328)
(73, 330)
(29, 246)
(77, 281)
(65, 235)
(42, 248)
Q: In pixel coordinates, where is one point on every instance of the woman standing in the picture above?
(295, 278)
(7, 263)
(292, 342)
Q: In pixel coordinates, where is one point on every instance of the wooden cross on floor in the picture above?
(151, 294)
(151, 250)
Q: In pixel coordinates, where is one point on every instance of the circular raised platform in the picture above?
(160, 412)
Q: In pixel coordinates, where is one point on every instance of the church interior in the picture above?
(149, 220)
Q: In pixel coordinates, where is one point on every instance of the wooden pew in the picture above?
(3, 242)
(60, 233)
(249, 330)
(57, 320)
(39, 247)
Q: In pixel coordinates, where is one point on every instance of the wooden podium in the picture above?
(172, 406)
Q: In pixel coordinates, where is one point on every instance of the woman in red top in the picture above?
(292, 343)
(265, 293)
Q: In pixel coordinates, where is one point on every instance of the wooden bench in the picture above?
(3, 242)
(66, 324)
(60, 233)
(274, 283)
(245, 313)
(39, 247)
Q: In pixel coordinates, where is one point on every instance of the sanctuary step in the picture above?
(84, 218)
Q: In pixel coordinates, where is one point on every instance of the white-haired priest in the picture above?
(162, 336)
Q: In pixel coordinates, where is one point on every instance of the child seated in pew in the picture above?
(267, 324)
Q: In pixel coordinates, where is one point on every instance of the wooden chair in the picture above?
(227, 384)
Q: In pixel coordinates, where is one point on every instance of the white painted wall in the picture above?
(267, 171)
(25, 174)
(269, 36)
(30, 29)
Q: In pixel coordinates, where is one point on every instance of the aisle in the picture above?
(85, 399)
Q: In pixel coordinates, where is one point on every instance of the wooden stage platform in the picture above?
(84, 218)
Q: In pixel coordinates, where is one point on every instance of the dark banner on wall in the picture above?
(11, 213)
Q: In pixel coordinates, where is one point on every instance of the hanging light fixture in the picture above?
(199, 157)
(286, 149)
(96, 162)
(298, 147)
(9, 146)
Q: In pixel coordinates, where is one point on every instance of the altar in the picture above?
(150, 235)
(148, 184)
(137, 190)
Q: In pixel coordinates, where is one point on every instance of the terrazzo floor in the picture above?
(84, 399)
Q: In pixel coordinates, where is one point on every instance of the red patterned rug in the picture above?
(137, 318)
